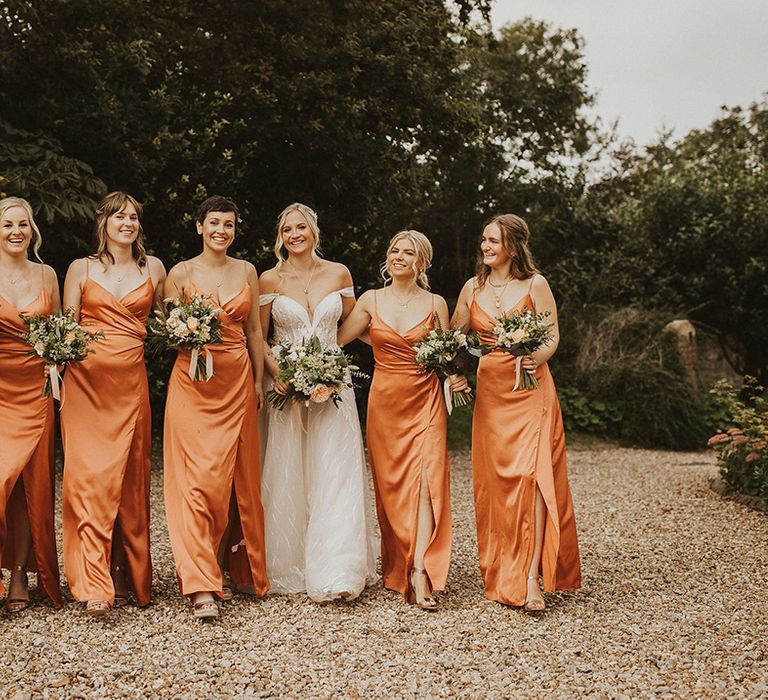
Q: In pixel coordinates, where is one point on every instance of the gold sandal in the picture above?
(121, 599)
(426, 603)
(16, 605)
(206, 610)
(97, 608)
(533, 606)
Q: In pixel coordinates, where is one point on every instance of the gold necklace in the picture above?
(501, 293)
(309, 282)
(404, 304)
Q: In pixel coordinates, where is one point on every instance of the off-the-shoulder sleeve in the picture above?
(265, 299)
(347, 292)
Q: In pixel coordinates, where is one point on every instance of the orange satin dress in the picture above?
(518, 444)
(212, 448)
(406, 430)
(26, 448)
(106, 431)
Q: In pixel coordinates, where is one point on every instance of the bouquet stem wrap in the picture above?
(55, 381)
(199, 368)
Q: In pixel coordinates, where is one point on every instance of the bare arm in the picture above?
(457, 381)
(158, 275)
(254, 337)
(73, 284)
(460, 318)
(543, 300)
(174, 283)
(52, 284)
(358, 320)
(347, 303)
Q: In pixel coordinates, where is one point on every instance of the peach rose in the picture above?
(321, 393)
(192, 323)
(517, 335)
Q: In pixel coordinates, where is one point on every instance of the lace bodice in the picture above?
(292, 322)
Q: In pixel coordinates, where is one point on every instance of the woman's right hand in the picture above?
(281, 387)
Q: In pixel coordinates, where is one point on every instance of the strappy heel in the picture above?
(121, 599)
(97, 608)
(533, 606)
(205, 610)
(16, 605)
(428, 603)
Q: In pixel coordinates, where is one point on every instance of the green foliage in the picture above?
(583, 414)
(59, 188)
(658, 408)
(742, 448)
(622, 377)
(682, 226)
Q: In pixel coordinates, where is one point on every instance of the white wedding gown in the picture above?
(313, 479)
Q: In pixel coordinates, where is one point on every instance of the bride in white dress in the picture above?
(313, 479)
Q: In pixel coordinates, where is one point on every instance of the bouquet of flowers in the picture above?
(59, 340)
(313, 373)
(190, 323)
(444, 351)
(518, 334)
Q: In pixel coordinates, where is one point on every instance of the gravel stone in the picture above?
(674, 604)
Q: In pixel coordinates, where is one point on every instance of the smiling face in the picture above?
(218, 229)
(123, 225)
(403, 259)
(492, 247)
(295, 233)
(16, 230)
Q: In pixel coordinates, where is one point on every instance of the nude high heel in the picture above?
(428, 603)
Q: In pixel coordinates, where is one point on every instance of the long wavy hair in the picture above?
(514, 240)
(37, 239)
(111, 204)
(423, 257)
(310, 215)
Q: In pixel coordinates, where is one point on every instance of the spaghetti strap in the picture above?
(530, 284)
(187, 274)
(86, 267)
(376, 302)
(42, 274)
(245, 273)
(433, 304)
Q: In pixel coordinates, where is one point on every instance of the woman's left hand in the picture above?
(529, 364)
(259, 391)
(458, 383)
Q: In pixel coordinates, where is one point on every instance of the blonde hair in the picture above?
(423, 257)
(514, 240)
(310, 215)
(37, 240)
(110, 205)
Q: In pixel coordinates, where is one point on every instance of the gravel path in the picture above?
(674, 604)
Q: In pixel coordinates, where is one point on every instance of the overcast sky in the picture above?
(662, 63)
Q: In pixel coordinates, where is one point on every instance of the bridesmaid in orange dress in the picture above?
(523, 507)
(27, 534)
(406, 423)
(211, 447)
(105, 416)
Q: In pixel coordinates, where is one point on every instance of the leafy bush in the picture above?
(742, 448)
(658, 408)
(587, 415)
(625, 380)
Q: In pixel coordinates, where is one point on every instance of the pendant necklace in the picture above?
(501, 293)
(404, 304)
(308, 283)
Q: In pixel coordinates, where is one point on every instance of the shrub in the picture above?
(742, 447)
(587, 415)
